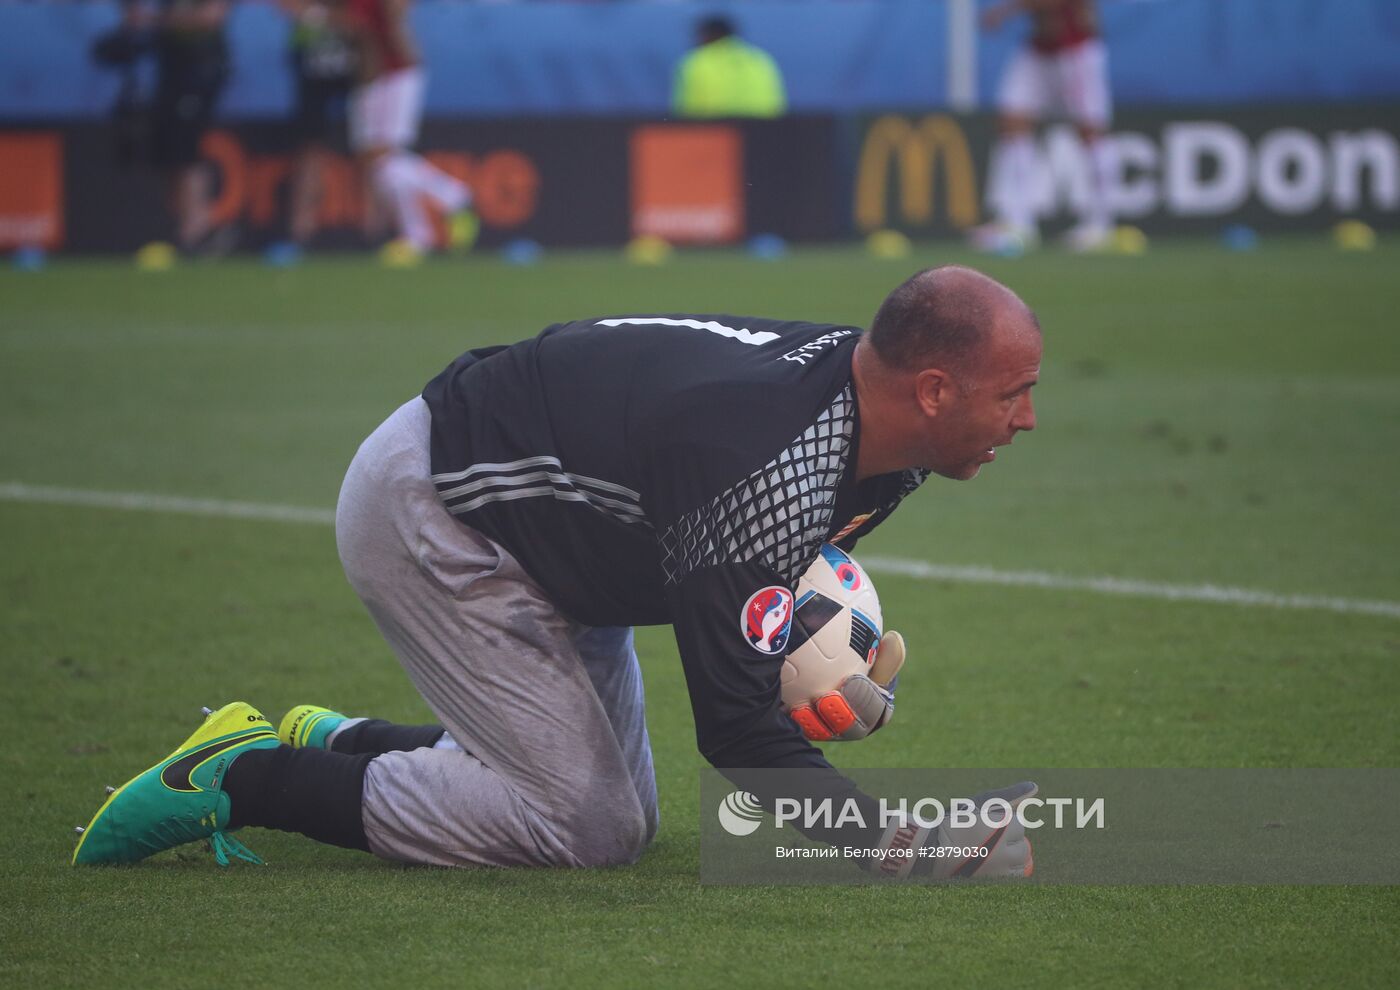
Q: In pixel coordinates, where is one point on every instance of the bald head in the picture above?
(947, 318)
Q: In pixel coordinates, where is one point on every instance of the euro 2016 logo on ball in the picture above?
(846, 570)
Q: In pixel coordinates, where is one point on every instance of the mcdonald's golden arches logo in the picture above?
(915, 150)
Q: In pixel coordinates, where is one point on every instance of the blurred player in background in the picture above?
(323, 61)
(724, 76)
(1063, 68)
(385, 111)
(192, 65)
(123, 48)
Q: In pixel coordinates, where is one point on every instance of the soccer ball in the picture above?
(836, 627)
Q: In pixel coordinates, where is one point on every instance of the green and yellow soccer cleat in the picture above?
(181, 798)
(308, 727)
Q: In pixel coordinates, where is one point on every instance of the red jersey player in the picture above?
(1062, 68)
(385, 109)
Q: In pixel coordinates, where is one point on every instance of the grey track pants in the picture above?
(555, 766)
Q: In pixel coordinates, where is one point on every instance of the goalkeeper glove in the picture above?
(863, 702)
(961, 852)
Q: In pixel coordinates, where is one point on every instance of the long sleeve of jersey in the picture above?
(731, 552)
(734, 689)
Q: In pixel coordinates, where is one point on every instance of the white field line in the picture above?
(918, 569)
(1132, 587)
(142, 502)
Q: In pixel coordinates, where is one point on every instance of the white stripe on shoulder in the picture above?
(621, 513)
(518, 482)
(526, 462)
(502, 476)
(741, 335)
(604, 486)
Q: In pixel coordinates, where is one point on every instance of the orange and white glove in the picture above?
(863, 702)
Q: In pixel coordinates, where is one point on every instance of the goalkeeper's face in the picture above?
(983, 407)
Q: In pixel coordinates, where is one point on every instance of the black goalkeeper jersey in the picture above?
(679, 469)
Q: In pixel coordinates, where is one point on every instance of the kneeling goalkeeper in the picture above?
(508, 527)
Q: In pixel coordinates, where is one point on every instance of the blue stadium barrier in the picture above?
(548, 59)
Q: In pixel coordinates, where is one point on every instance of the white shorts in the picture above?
(385, 113)
(1073, 83)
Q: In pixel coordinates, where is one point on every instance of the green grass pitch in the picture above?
(1205, 418)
